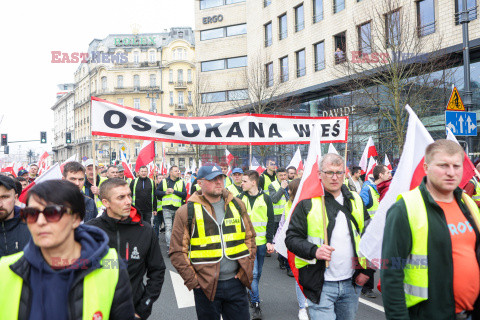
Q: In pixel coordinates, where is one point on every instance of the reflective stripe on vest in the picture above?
(259, 217)
(98, 287)
(233, 189)
(135, 188)
(266, 183)
(375, 201)
(172, 199)
(210, 242)
(279, 207)
(476, 195)
(288, 209)
(315, 228)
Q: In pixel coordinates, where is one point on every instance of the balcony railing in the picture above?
(317, 17)
(177, 150)
(472, 15)
(135, 89)
(180, 107)
(180, 85)
(426, 29)
(319, 65)
(282, 35)
(268, 42)
(339, 57)
(301, 72)
(299, 27)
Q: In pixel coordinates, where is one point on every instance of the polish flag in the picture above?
(372, 163)
(229, 171)
(387, 162)
(331, 149)
(370, 151)
(468, 167)
(310, 187)
(408, 176)
(126, 167)
(54, 173)
(146, 154)
(229, 156)
(296, 160)
(256, 166)
(9, 169)
(42, 163)
(71, 159)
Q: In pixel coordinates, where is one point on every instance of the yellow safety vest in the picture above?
(99, 203)
(233, 189)
(210, 242)
(288, 208)
(228, 182)
(416, 268)
(172, 199)
(315, 232)
(135, 188)
(259, 217)
(98, 288)
(376, 201)
(476, 184)
(267, 182)
(279, 206)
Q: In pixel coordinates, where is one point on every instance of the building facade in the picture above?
(63, 113)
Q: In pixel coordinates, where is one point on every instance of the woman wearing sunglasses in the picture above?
(67, 270)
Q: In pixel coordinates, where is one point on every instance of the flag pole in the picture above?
(346, 153)
(251, 154)
(325, 235)
(154, 162)
(94, 166)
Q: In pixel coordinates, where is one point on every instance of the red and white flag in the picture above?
(229, 171)
(71, 159)
(229, 156)
(372, 163)
(146, 154)
(369, 151)
(255, 165)
(468, 167)
(10, 169)
(408, 176)
(42, 163)
(296, 160)
(126, 166)
(387, 162)
(331, 149)
(53, 173)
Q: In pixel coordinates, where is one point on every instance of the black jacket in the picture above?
(144, 201)
(311, 277)
(90, 209)
(88, 186)
(14, 235)
(160, 193)
(137, 243)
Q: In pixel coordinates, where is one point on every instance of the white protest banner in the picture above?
(110, 119)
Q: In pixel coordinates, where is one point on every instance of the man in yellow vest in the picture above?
(213, 248)
(430, 244)
(228, 180)
(236, 186)
(472, 188)
(369, 193)
(260, 209)
(332, 292)
(67, 270)
(268, 176)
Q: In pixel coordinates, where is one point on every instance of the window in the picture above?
(425, 17)
(319, 50)
(282, 27)
(152, 56)
(180, 75)
(189, 97)
(120, 101)
(170, 76)
(223, 32)
(205, 4)
(171, 98)
(234, 95)
(172, 161)
(136, 82)
(338, 5)
(268, 34)
(221, 64)
(269, 74)
(213, 97)
(180, 98)
(300, 55)
(233, 1)
(284, 69)
(153, 80)
(153, 105)
(119, 82)
(189, 75)
(471, 7)
(180, 34)
(104, 83)
(365, 38)
(317, 10)
(136, 103)
(299, 19)
(237, 62)
(136, 57)
(266, 3)
(236, 30)
(392, 28)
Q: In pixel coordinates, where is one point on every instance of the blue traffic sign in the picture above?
(461, 123)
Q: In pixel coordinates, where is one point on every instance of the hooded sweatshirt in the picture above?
(14, 234)
(50, 288)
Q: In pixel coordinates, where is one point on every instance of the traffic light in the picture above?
(114, 155)
(4, 139)
(43, 137)
(69, 137)
(6, 150)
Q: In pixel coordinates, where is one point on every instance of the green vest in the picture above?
(98, 288)
(210, 242)
(376, 201)
(135, 188)
(228, 182)
(288, 208)
(476, 184)
(315, 232)
(172, 199)
(233, 189)
(266, 183)
(98, 201)
(258, 216)
(279, 207)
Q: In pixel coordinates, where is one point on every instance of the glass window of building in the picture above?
(269, 74)
(136, 103)
(172, 160)
(425, 17)
(180, 75)
(119, 82)
(171, 98)
(319, 50)
(136, 56)
(338, 5)
(284, 69)
(212, 34)
(180, 98)
(136, 81)
(392, 28)
(153, 105)
(170, 76)
(282, 27)
(213, 97)
(120, 101)
(300, 57)
(365, 38)
(152, 56)
(153, 80)
(205, 4)
(237, 62)
(299, 18)
(317, 10)
(189, 96)
(266, 3)
(234, 95)
(268, 34)
(212, 65)
(340, 47)
(104, 83)
(236, 30)
(233, 1)
(471, 7)
(189, 75)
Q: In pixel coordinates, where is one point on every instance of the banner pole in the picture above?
(154, 162)
(250, 151)
(94, 158)
(346, 153)
(325, 234)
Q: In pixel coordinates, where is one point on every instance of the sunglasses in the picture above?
(52, 213)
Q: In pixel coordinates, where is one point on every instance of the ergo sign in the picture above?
(212, 19)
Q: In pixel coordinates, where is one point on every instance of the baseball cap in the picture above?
(209, 172)
(8, 182)
(237, 170)
(21, 173)
(89, 162)
(120, 168)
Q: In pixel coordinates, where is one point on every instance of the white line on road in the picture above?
(184, 297)
(372, 305)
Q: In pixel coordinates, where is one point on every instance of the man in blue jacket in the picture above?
(14, 234)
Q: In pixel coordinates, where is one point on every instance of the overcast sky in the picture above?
(32, 29)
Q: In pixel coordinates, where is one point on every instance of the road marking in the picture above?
(372, 305)
(184, 297)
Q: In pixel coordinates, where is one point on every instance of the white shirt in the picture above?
(342, 258)
(357, 185)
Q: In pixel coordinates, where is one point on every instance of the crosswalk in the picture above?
(183, 296)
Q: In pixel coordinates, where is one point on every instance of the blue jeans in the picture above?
(157, 222)
(300, 297)
(339, 300)
(257, 272)
(168, 217)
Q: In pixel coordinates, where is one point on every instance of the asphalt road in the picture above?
(277, 294)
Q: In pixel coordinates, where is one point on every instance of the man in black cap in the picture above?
(14, 234)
